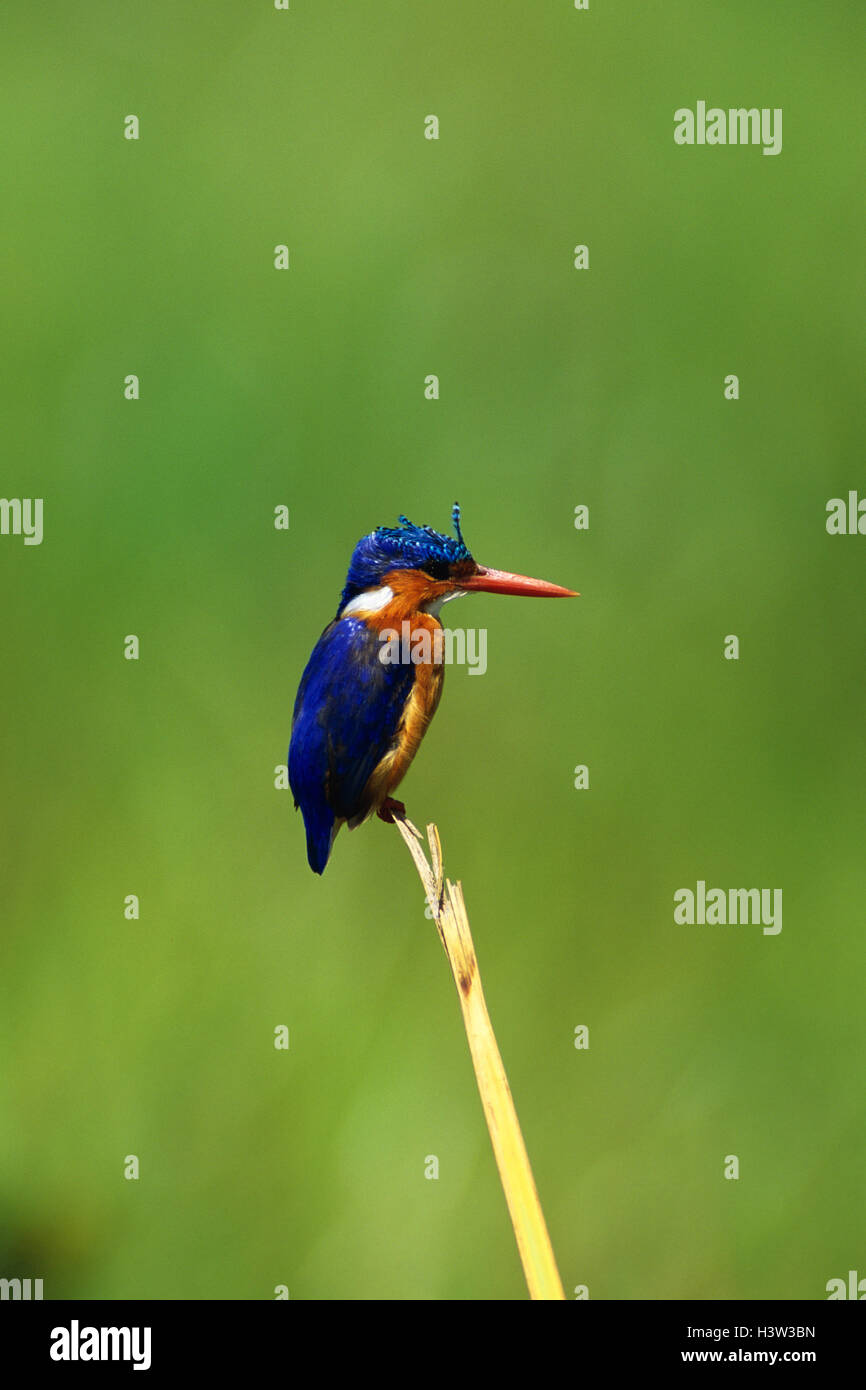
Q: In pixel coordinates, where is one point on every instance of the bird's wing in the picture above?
(347, 713)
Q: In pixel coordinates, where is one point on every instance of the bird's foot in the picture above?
(388, 808)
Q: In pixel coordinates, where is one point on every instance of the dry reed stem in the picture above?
(449, 913)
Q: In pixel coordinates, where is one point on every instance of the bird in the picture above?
(361, 711)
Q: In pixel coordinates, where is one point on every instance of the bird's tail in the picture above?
(321, 827)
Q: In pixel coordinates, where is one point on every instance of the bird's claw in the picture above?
(388, 809)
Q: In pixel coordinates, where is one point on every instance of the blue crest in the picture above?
(406, 547)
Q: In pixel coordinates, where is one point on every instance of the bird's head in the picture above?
(433, 566)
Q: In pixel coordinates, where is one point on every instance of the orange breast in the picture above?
(417, 713)
(410, 590)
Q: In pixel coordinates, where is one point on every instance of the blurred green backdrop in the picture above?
(305, 388)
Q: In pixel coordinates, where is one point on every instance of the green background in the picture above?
(305, 388)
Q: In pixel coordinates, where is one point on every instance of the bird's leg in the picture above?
(387, 809)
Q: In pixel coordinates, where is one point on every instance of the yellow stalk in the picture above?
(449, 913)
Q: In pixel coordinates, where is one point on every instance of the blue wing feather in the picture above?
(347, 712)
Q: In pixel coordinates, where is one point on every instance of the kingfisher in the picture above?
(366, 699)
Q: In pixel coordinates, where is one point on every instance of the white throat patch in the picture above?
(370, 601)
(435, 604)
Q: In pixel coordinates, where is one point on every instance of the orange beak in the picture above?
(501, 582)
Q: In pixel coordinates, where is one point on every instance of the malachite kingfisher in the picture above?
(359, 717)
